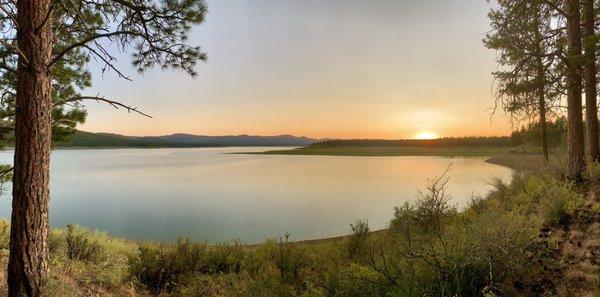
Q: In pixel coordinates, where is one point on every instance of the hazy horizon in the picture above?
(335, 69)
(288, 134)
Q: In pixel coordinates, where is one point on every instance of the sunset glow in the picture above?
(426, 135)
(357, 79)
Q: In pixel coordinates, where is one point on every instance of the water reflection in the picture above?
(206, 195)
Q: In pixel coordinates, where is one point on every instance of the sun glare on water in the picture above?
(426, 135)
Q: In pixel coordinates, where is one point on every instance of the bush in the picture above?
(559, 200)
(592, 172)
(4, 235)
(427, 213)
(81, 246)
(290, 261)
(357, 242)
(225, 259)
(162, 268)
(432, 207)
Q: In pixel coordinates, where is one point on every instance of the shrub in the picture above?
(81, 246)
(290, 261)
(162, 268)
(225, 259)
(56, 241)
(4, 235)
(592, 172)
(357, 242)
(559, 202)
(428, 212)
(432, 207)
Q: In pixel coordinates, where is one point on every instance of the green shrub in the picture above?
(433, 206)
(560, 200)
(432, 250)
(225, 259)
(428, 213)
(592, 172)
(57, 242)
(4, 235)
(358, 240)
(290, 261)
(81, 246)
(162, 268)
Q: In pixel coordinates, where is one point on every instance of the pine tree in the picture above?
(45, 49)
(527, 83)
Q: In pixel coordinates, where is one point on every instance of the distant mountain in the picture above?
(89, 139)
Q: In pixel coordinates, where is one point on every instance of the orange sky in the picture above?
(339, 69)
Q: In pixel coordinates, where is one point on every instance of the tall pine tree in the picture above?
(45, 49)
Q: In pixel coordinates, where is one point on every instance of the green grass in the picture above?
(391, 151)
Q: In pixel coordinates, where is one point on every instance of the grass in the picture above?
(390, 151)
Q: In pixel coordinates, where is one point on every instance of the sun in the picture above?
(426, 135)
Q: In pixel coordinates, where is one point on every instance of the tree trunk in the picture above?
(575, 143)
(591, 108)
(543, 121)
(28, 263)
(541, 83)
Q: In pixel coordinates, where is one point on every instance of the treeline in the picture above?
(88, 139)
(556, 133)
(468, 141)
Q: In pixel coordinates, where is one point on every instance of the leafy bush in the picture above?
(558, 200)
(357, 241)
(163, 268)
(290, 261)
(559, 211)
(4, 234)
(81, 246)
(592, 172)
(225, 259)
(432, 250)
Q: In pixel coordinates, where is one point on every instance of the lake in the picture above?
(206, 194)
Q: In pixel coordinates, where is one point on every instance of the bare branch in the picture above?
(113, 103)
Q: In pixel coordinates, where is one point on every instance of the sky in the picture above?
(336, 69)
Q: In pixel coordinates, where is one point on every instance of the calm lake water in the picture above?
(208, 195)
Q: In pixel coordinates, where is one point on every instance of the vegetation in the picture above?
(547, 52)
(523, 238)
(515, 241)
(522, 141)
(448, 146)
(471, 141)
(556, 132)
(391, 151)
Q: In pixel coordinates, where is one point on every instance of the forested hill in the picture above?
(481, 141)
(88, 139)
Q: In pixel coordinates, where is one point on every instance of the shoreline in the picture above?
(389, 151)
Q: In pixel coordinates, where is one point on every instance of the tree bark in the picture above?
(541, 83)
(591, 107)
(575, 142)
(28, 263)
